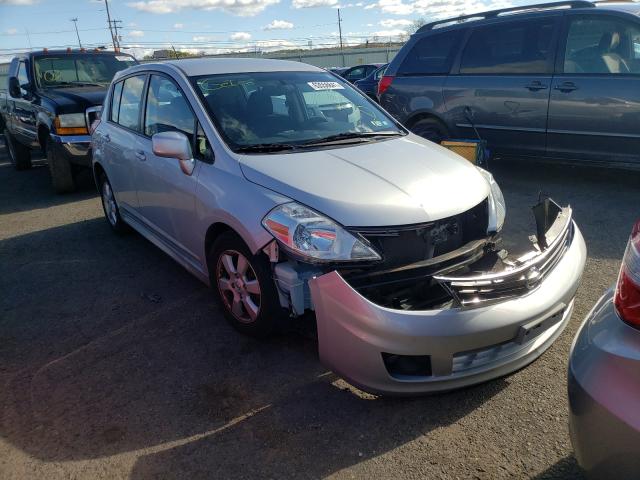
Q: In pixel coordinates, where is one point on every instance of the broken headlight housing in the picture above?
(497, 205)
(313, 237)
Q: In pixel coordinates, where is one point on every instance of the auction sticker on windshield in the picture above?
(325, 86)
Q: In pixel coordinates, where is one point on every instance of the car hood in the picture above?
(399, 181)
(83, 97)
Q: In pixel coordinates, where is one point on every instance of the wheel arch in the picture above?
(416, 117)
(213, 232)
(43, 135)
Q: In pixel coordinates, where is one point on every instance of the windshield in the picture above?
(96, 69)
(292, 109)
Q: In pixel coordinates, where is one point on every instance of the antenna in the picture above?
(75, 23)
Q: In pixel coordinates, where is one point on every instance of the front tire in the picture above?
(110, 206)
(60, 170)
(19, 155)
(244, 286)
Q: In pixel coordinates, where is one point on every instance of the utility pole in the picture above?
(113, 38)
(340, 33)
(115, 31)
(75, 23)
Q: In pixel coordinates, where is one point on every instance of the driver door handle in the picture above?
(140, 155)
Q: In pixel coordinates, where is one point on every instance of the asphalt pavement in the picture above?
(116, 363)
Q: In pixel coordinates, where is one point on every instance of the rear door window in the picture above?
(510, 48)
(602, 45)
(432, 55)
(131, 102)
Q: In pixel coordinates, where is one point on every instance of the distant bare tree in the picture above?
(415, 25)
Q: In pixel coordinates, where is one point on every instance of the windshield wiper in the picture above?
(74, 84)
(352, 136)
(266, 147)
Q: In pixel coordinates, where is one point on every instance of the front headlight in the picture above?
(497, 205)
(71, 124)
(314, 237)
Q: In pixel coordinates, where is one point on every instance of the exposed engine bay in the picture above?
(449, 263)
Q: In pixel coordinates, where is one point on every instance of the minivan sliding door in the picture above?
(502, 84)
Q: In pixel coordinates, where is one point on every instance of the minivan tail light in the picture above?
(627, 297)
(384, 84)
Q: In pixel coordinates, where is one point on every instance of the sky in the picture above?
(217, 26)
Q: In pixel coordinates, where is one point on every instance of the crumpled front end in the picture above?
(459, 318)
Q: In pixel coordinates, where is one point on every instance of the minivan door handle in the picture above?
(140, 155)
(566, 87)
(536, 85)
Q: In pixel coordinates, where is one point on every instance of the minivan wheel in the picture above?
(110, 206)
(244, 286)
(19, 155)
(430, 129)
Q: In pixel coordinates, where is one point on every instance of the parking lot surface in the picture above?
(116, 363)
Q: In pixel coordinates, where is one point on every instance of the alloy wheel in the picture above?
(109, 203)
(238, 286)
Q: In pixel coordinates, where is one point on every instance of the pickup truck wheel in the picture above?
(19, 155)
(244, 286)
(110, 206)
(60, 170)
(430, 129)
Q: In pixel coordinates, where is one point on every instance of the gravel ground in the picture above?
(115, 362)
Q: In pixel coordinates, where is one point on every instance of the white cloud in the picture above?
(18, 2)
(178, 25)
(240, 36)
(313, 3)
(394, 33)
(136, 33)
(278, 25)
(132, 24)
(12, 31)
(392, 22)
(236, 7)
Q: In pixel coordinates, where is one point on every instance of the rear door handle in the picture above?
(140, 155)
(566, 87)
(536, 85)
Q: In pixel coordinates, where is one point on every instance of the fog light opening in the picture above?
(400, 366)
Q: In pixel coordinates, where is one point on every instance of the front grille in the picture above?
(412, 243)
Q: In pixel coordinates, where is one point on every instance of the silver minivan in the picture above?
(289, 191)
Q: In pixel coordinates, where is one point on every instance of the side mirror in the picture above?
(174, 145)
(14, 87)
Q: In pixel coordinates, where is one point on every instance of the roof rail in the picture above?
(496, 13)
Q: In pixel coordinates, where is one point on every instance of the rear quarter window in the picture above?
(114, 109)
(432, 55)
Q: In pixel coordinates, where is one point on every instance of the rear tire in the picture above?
(243, 285)
(430, 129)
(19, 155)
(110, 206)
(60, 170)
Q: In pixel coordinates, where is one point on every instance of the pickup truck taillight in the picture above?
(627, 298)
(384, 84)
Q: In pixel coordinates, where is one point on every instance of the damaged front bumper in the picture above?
(495, 322)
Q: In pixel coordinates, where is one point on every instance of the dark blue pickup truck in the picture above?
(48, 101)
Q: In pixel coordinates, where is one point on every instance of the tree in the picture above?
(415, 25)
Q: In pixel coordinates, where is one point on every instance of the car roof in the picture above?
(523, 12)
(194, 67)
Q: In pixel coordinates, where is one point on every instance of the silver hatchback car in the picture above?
(289, 191)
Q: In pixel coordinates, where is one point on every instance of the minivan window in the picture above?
(115, 102)
(167, 109)
(289, 108)
(130, 102)
(432, 55)
(510, 48)
(602, 46)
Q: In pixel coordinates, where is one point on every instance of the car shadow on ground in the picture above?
(35, 186)
(565, 469)
(130, 353)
